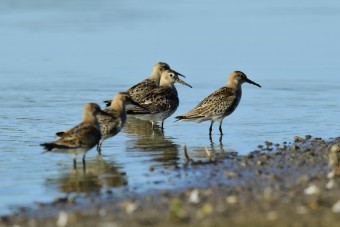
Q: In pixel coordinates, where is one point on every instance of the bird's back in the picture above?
(221, 102)
(112, 122)
(139, 90)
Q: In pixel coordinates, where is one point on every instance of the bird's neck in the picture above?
(91, 119)
(235, 86)
(165, 83)
(155, 76)
(118, 106)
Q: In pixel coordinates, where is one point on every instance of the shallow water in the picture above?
(56, 56)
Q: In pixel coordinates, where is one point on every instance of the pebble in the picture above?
(62, 219)
(231, 199)
(330, 184)
(336, 207)
(194, 197)
(312, 190)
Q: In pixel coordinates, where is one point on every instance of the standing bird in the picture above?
(140, 89)
(161, 102)
(219, 104)
(115, 117)
(81, 138)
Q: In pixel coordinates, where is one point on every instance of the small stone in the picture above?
(330, 175)
(194, 197)
(231, 199)
(312, 190)
(308, 137)
(301, 210)
(330, 184)
(62, 219)
(294, 147)
(336, 207)
(268, 144)
(298, 139)
(131, 207)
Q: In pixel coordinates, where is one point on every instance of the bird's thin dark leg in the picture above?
(162, 126)
(74, 163)
(99, 148)
(220, 128)
(84, 164)
(210, 129)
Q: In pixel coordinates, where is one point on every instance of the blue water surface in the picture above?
(57, 55)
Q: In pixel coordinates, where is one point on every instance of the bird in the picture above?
(161, 102)
(140, 89)
(81, 138)
(220, 103)
(114, 118)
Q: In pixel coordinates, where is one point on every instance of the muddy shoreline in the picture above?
(289, 184)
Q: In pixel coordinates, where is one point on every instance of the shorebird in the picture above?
(220, 103)
(114, 118)
(161, 102)
(81, 138)
(140, 89)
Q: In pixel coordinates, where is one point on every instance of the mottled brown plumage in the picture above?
(161, 102)
(80, 138)
(138, 90)
(114, 118)
(220, 103)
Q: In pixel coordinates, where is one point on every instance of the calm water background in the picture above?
(57, 55)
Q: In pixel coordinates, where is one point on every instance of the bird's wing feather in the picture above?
(82, 135)
(141, 88)
(216, 103)
(157, 100)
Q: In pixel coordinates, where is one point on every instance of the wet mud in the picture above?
(290, 184)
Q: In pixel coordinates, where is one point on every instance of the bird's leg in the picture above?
(99, 148)
(74, 163)
(84, 164)
(220, 128)
(153, 125)
(210, 129)
(162, 126)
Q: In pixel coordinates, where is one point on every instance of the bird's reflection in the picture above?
(213, 145)
(99, 175)
(152, 141)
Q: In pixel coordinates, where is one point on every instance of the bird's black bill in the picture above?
(252, 82)
(183, 82)
(179, 74)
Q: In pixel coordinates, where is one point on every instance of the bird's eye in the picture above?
(171, 75)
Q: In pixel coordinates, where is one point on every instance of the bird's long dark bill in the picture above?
(252, 82)
(182, 82)
(179, 74)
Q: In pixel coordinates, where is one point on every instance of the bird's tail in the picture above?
(108, 103)
(51, 146)
(180, 118)
(59, 134)
(48, 146)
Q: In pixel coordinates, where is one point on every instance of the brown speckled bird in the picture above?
(138, 90)
(115, 117)
(219, 104)
(161, 102)
(81, 138)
